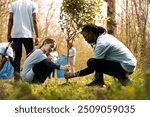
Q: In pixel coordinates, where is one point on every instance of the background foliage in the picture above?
(132, 28)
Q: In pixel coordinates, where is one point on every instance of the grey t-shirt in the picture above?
(36, 57)
(109, 48)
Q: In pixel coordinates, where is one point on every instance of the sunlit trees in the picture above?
(133, 26)
(111, 14)
(3, 18)
(142, 12)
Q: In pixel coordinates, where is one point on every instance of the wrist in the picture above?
(37, 36)
(72, 75)
(62, 67)
(75, 74)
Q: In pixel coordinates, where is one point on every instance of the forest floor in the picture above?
(75, 89)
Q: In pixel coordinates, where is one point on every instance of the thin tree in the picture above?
(3, 17)
(74, 14)
(111, 14)
(142, 12)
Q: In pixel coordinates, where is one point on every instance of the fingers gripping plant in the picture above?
(74, 14)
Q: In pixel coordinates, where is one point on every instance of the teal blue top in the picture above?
(110, 48)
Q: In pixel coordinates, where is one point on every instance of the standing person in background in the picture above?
(54, 58)
(21, 26)
(72, 56)
(111, 57)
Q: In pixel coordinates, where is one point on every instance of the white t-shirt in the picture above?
(72, 52)
(54, 56)
(35, 57)
(9, 51)
(22, 18)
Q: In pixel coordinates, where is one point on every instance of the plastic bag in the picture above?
(61, 61)
(7, 71)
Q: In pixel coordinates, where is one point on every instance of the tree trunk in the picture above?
(141, 10)
(111, 14)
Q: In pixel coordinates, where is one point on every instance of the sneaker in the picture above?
(17, 76)
(125, 82)
(52, 79)
(95, 83)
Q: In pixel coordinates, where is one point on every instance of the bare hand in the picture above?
(65, 68)
(49, 58)
(68, 68)
(9, 39)
(36, 41)
(69, 75)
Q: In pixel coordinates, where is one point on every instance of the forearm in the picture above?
(36, 30)
(10, 24)
(35, 24)
(52, 65)
(84, 72)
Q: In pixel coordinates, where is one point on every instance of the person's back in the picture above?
(110, 48)
(22, 18)
(31, 60)
(3, 47)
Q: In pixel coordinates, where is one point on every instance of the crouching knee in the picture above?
(90, 62)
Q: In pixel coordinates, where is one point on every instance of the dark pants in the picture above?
(17, 46)
(53, 73)
(41, 71)
(104, 67)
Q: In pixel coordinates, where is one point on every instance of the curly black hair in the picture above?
(97, 30)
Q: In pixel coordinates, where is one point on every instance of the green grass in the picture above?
(75, 89)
